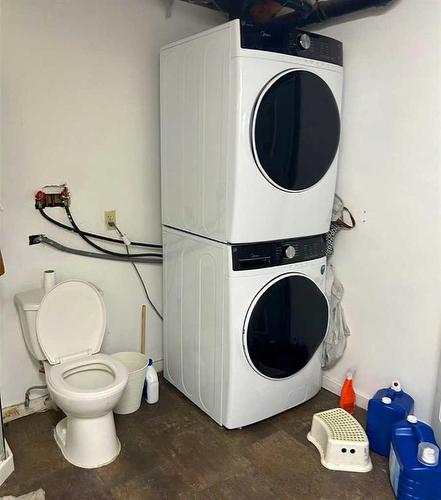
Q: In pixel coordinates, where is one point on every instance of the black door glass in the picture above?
(286, 327)
(296, 130)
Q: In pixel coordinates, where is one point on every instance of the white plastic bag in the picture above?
(335, 341)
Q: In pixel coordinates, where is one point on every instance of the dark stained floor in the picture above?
(173, 450)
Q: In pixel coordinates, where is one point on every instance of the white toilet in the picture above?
(65, 329)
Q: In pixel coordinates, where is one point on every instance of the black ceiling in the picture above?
(304, 12)
(232, 7)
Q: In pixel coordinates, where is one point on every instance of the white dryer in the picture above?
(244, 324)
(250, 128)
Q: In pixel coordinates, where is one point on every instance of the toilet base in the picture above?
(88, 442)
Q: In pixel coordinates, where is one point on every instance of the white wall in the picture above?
(390, 177)
(80, 104)
(80, 98)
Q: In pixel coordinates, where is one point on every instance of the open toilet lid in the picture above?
(71, 321)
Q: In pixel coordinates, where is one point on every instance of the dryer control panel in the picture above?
(286, 39)
(277, 253)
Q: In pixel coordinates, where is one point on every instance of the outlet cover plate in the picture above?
(109, 217)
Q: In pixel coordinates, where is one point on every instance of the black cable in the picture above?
(129, 256)
(139, 275)
(94, 245)
(93, 235)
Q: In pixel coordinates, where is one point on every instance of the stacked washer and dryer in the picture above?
(250, 127)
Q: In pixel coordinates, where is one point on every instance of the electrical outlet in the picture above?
(109, 218)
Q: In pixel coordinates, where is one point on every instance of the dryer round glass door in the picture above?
(285, 325)
(295, 130)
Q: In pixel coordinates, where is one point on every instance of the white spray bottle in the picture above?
(151, 379)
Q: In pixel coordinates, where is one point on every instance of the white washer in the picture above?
(244, 324)
(250, 128)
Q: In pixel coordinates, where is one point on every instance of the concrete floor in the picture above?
(173, 450)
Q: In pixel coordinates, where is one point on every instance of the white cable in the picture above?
(127, 244)
(126, 240)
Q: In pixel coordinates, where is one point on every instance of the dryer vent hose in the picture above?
(316, 11)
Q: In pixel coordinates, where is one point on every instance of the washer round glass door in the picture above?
(295, 130)
(285, 325)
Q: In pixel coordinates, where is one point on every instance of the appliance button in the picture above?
(290, 252)
(304, 41)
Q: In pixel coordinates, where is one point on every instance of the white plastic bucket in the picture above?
(136, 364)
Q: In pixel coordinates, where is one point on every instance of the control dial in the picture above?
(290, 252)
(304, 41)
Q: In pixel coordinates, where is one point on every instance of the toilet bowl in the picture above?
(69, 325)
(87, 389)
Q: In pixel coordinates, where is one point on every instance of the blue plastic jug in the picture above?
(386, 408)
(415, 469)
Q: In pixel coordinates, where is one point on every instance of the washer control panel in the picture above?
(277, 253)
(289, 40)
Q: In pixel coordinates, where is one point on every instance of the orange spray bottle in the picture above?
(347, 398)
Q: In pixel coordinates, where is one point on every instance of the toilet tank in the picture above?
(27, 304)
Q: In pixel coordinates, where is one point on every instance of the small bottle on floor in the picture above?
(347, 398)
(152, 384)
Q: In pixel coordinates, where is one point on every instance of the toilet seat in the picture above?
(56, 377)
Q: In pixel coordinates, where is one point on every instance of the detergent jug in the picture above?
(386, 408)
